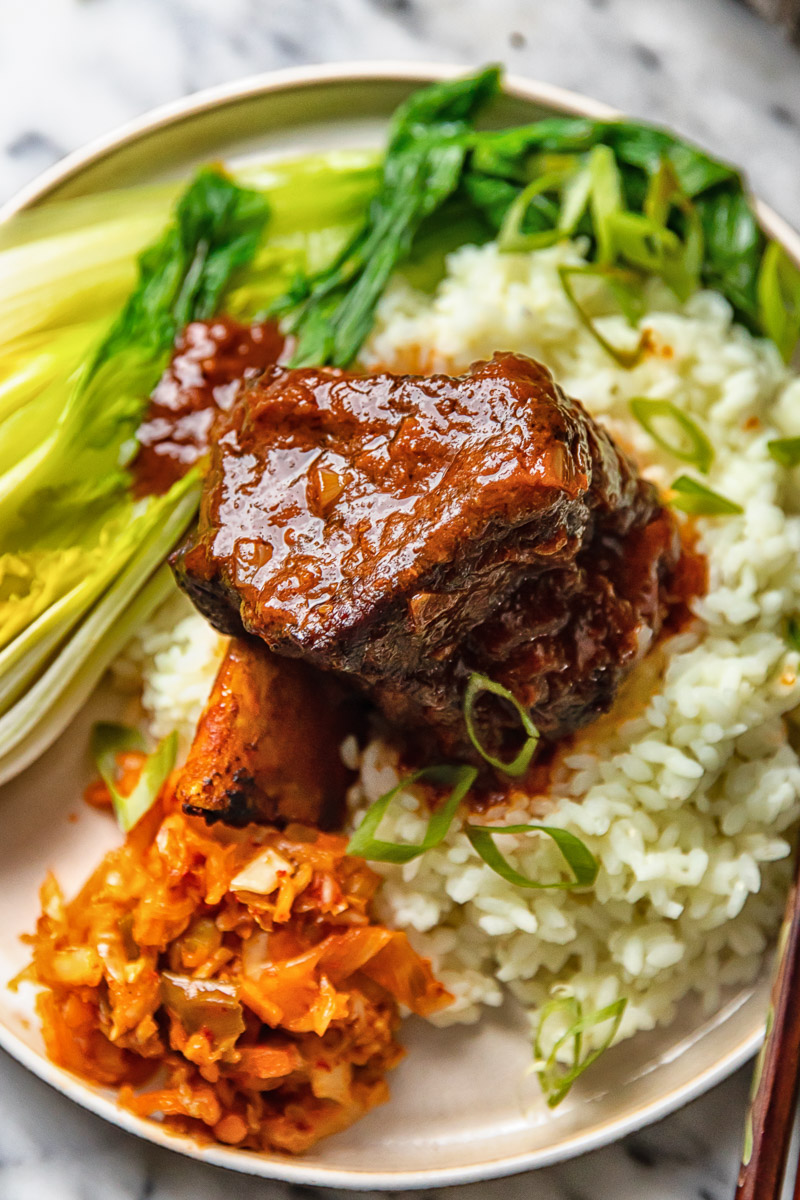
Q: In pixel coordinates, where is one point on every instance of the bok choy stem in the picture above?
(48, 705)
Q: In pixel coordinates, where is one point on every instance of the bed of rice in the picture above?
(687, 793)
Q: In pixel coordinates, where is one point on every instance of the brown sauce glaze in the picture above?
(210, 363)
(689, 580)
(406, 531)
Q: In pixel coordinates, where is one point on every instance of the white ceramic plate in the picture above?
(461, 1108)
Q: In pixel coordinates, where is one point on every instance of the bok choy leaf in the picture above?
(331, 311)
(80, 461)
(75, 546)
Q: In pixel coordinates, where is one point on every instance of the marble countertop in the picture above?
(71, 69)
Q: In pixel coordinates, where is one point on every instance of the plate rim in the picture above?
(289, 1169)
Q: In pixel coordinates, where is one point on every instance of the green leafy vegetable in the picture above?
(645, 200)
(785, 451)
(646, 240)
(511, 237)
(80, 461)
(575, 853)
(215, 232)
(556, 1078)
(477, 686)
(71, 533)
(779, 298)
(132, 546)
(688, 442)
(734, 245)
(109, 739)
(50, 703)
(364, 843)
(695, 498)
(331, 311)
(666, 208)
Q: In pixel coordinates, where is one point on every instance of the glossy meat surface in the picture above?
(267, 745)
(405, 531)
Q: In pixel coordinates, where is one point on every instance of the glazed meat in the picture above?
(267, 746)
(406, 531)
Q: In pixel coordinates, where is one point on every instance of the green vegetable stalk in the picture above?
(331, 311)
(72, 537)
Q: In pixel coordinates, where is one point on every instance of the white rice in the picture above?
(687, 803)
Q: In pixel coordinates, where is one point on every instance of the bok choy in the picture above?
(75, 546)
(331, 311)
(79, 555)
(646, 203)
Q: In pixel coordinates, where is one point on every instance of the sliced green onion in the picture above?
(793, 633)
(680, 269)
(641, 241)
(605, 198)
(695, 498)
(575, 853)
(555, 1078)
(785, 451)
(108, 739)
(778, 290)
(510, 237)
(364, 844)
(621, 284)
(689, 444)
(574, 198)
(482, 683)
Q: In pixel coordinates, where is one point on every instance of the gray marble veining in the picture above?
(72, 69)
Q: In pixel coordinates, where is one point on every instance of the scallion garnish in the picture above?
(556, 1078)
(575, 853)
(695, 498)
(478, 684)
(785, 451)
(108, 739)
(793, 633)
(646, 241)
(688, 442)
(621, 285)
(511, 237)
(605, 198)
(778, 291)
(364, 843)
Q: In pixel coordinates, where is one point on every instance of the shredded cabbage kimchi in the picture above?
(229, 981)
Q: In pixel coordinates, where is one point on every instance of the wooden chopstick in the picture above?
(770, 1117)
